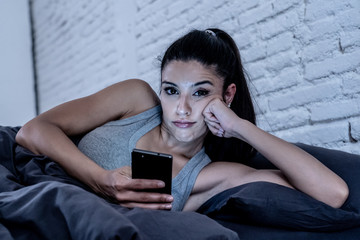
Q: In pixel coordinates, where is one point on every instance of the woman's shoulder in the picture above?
(137, 86)
(140, 96)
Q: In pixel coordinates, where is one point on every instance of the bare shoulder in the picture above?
(120, 100)
(135, 95)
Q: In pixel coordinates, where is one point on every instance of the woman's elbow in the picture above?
(339, 196)
(21, 136)
(25, 138)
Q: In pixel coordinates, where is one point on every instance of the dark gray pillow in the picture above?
(270, 204)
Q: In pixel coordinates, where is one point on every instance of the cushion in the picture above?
(270, 204)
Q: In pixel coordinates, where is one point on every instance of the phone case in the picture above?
(152, 165)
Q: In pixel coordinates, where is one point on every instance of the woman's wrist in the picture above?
(96, 178)
(89, 173)
(240, 129)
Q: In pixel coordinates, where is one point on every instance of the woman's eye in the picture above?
(170, 91)
(200, 93)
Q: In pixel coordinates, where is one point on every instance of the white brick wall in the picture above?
(303, 56)
(82, 46)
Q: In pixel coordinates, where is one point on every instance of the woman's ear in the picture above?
(230, 93)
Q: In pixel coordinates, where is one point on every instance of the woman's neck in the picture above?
(185, 149)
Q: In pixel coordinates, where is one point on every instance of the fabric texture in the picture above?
(263, 210)
(111, 145)
(38, 200)
(273, 205)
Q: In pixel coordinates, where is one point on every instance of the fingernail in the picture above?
(168, 206)
(169, 199)
(161, 184)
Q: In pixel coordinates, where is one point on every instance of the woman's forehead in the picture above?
(190, 72)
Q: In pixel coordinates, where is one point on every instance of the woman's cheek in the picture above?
(166, 103)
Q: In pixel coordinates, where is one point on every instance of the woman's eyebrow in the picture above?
(194, 85)
(203, 82)
(170, 83)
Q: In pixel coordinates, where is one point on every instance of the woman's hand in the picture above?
(120, 187)
(220, 118)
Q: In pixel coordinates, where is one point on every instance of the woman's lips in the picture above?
(183, 124)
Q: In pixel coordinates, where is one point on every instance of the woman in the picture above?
(204, 106)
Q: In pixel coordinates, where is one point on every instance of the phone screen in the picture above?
(152, 165)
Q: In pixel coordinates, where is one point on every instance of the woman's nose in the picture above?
(183, 108)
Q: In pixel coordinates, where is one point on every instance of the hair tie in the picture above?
(210, 32)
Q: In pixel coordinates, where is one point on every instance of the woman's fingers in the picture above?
(214, 126)
(219, 118)
(118, 186)
(144, 197)
(210, 116)
(216, 130)
(155, 206)
(134, 191)
(138, 184)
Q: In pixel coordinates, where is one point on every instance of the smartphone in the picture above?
(152, 165)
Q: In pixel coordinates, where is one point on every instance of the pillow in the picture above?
(270, 204)
(346, 165)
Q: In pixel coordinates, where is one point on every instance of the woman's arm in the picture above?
(302, 170)
(48, 134)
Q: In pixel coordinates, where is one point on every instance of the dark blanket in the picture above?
(38, 200)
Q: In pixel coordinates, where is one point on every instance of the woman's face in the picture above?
(186, 89)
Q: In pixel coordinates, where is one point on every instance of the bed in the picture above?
(38, 200)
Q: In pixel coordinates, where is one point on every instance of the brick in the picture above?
(143, 13)
(351, 83)
(337, 64)
(286, 119)
(349, 19)
(244, 5)
(279, 43)
(245, 37)
(254, 53)
(178, 7)
(304, 95)
(321, 9)
(255, 69)
(276, 63)
(255, 15)
(349, 39)
(288, 77)
(324, 28)
(140, 4)
(334, 110)
(280, 24)
(353, 148)
(317, 135)
(320, 50)
(355, 128)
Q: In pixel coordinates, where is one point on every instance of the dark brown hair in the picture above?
(215, 48)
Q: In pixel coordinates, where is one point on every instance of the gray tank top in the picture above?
(111, 144)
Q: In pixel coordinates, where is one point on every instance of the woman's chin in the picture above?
(189, 138)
